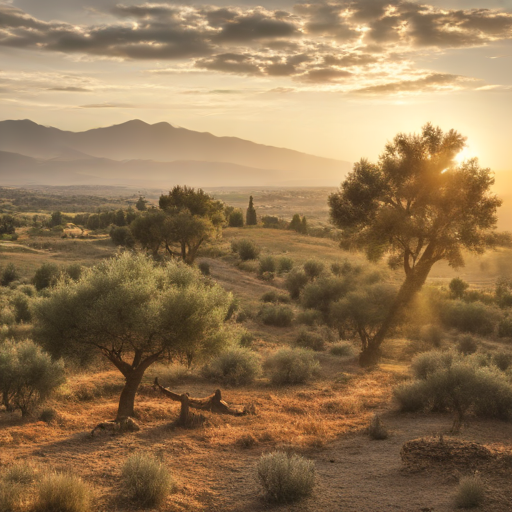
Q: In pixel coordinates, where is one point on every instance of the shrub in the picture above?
(286, 477)
(505, 328)
(310, 339)
(27, 375)
(122, 236)
(204, 268)
(235, 366)
(236, 219)
(245, 248)
(295, 282)
(46, 275)
(473, 317)
(470, 493)
(467, 345)
(292, 366)
(11, 496)
(27, 289)
(48, 415)
(503, 360)
(63, 493)
(457, 287)
(9, 275)
(20, 304)
(313, 268)
(278, 316)
(323, 292)
(267, 264)
(432, 335)
(427, 363)
(461, 387)
(342, 349)
(345, 268)
(74, 271)
(284, 265)
(20, 473)
(376, 430)
(146, 479)
(274, 296)
(309, 317)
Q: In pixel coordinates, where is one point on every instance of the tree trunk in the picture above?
(184, 410)
(127, 398)
(413, 283)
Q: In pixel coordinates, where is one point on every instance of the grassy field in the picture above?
(325, 420)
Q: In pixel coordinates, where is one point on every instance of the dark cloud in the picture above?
(231, 63)
(430, 82)
(319, 42)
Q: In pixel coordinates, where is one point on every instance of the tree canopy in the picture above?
(417, 206)
(186, 218)
(133, 312)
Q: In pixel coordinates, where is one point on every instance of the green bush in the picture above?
(457, 287)
(295, 282)
(278, 316)
(472, 317)
(502, 360)
(286, 478)
(74, 271)
(21, 306)
(310, 339)
(323, 292)
(345, 268)
(309, 317)
(236, 366)
(46, 275)
(313, 268)
(461, 386)
(284, 265)
(63, 493)
(9, 275)
(204, 268)
(245, 248)
(274, 296)
(343, 349)
(146, 479)
(467, 345)
(267, 264)
(470, 493)
(28, 290)
(236, 219)
(427, 363)
(122, 236)
(505, 328)
(292, 366)
(432, 335)
(27, 375)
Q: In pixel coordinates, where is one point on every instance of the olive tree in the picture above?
(133, 312)
(417, 206)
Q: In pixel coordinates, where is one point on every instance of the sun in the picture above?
(464, 155)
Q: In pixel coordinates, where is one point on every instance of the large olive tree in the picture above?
(134, 313)
(417, 206)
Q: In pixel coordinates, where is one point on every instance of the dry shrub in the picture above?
(235, 366)
(20, 473)
(63, 493)
(470, 493)
(376, 430)
(292, 366)
(286, 478)
(310, 339)
(246, 441)
(11, 497)
(343, 349)
(147, 480)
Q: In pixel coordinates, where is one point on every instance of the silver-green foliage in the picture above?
(28, 375)
(235, 366)
(146, 479)
(286, 477)
(292, 366)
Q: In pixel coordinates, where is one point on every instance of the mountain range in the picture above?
(160, 155)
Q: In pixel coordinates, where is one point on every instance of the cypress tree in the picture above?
(304, 226)
(250, 218)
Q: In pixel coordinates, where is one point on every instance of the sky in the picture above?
(336, 78)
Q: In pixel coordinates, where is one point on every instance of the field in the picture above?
(325, 420)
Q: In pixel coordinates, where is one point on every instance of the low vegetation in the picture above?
(292, 366)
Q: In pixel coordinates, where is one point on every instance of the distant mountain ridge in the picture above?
(136, 152)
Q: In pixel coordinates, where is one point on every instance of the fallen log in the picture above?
(212, 403)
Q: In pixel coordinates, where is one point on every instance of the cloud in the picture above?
(345, 42)
(69, 89)
(429, 83)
